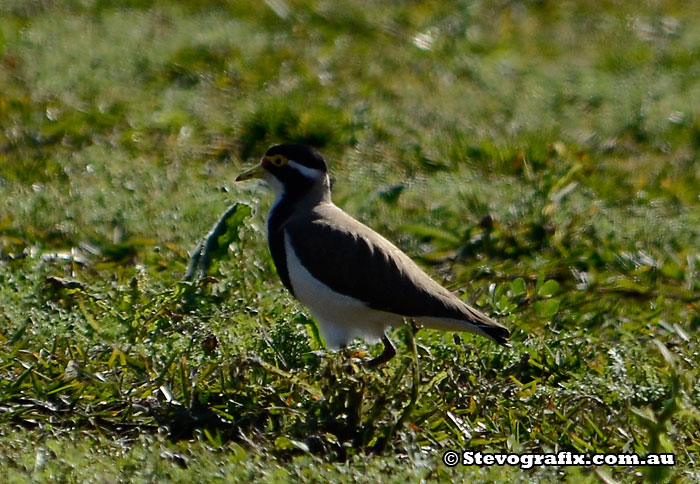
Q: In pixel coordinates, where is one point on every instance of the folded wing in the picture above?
(376, 272)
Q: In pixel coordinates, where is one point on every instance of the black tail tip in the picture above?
(498, 333)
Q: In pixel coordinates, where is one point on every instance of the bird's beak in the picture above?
(255, 172)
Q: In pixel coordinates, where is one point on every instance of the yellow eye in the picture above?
(277, 160)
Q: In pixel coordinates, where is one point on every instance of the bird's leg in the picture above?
(388, 353)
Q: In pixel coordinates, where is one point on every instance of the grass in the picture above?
(539, 158)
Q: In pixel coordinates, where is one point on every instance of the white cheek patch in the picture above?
(307, 172)
(274, 183)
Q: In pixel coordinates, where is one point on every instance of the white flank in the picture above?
(340, 318)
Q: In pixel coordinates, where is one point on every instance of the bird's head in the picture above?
(291, 168)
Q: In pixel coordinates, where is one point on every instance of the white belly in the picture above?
(340, 318)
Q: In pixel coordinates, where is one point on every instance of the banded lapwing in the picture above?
(354, 281)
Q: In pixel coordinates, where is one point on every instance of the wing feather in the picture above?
(355, 261)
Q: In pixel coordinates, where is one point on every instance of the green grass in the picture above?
(539, 158)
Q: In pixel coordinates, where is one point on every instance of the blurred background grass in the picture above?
(538, 157)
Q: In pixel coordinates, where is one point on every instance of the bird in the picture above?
(354, 281)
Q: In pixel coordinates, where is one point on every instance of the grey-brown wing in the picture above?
(355, 261)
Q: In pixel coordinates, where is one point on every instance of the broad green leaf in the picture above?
(549, 288)
(240, 212)
(518, 287)
(547, 309)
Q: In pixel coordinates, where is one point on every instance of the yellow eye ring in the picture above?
(277, 160)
